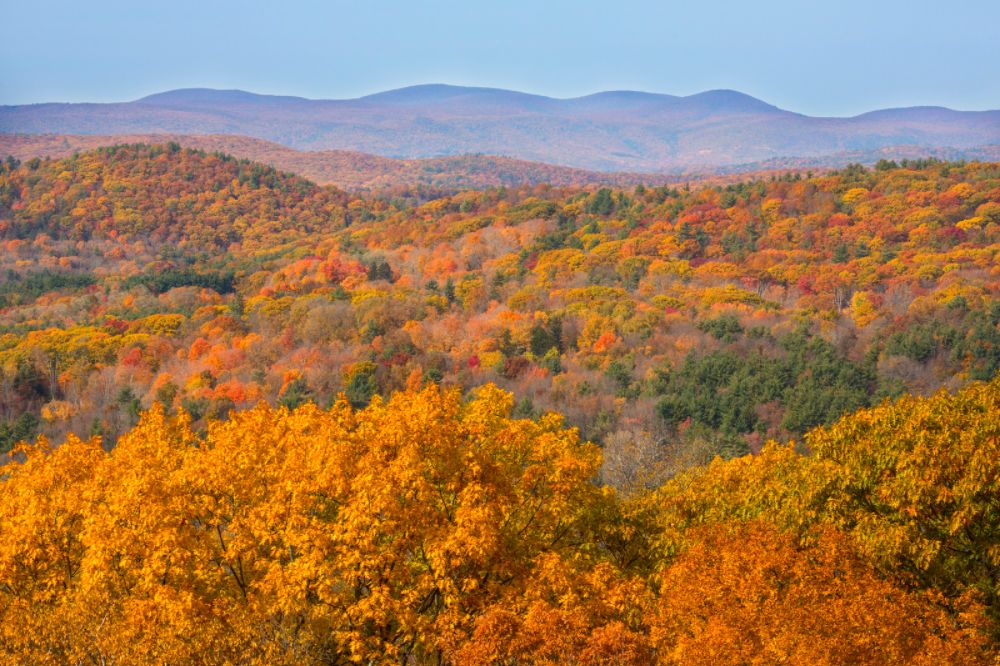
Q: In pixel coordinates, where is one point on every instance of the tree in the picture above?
(361, 385)
(279, 535)
(296, 393)
(747, 593)
(913, 482)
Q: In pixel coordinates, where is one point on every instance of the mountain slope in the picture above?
(619, 130)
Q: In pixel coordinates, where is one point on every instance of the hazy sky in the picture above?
(829, 57)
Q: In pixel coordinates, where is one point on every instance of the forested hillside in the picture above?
(669, 324)
(346, 169)
(432, 177)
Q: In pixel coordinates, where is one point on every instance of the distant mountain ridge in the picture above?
(606, 131)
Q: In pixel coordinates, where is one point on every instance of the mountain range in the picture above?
(608, 131)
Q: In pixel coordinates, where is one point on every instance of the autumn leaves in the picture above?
(316, 536)
(429, 529)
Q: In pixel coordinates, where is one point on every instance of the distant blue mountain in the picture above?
(614, 130)
(209, 97)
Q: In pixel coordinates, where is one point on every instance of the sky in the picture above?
(835, 57)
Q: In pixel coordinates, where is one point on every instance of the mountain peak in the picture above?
(725, 99)
(212, 97)
(612, 100)
(442, 92)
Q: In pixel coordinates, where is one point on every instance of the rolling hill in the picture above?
(608, 131)
(349, 170)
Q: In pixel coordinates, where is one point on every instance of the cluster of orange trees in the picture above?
(429, 529)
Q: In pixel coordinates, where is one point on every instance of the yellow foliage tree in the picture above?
(290, 537)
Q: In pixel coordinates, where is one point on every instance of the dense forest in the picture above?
(246, 418)
(668, 324)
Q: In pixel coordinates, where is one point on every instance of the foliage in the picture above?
(292, 536)
(164, 280)
(427, 529)
(18, 288)
(711, 317)
(21, 429)
(914, 482)
(750, 594)
(726, 391)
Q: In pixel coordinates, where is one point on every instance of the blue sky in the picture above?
(837, 57)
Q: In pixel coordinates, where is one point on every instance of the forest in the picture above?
(140, 274)
(748, 422)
